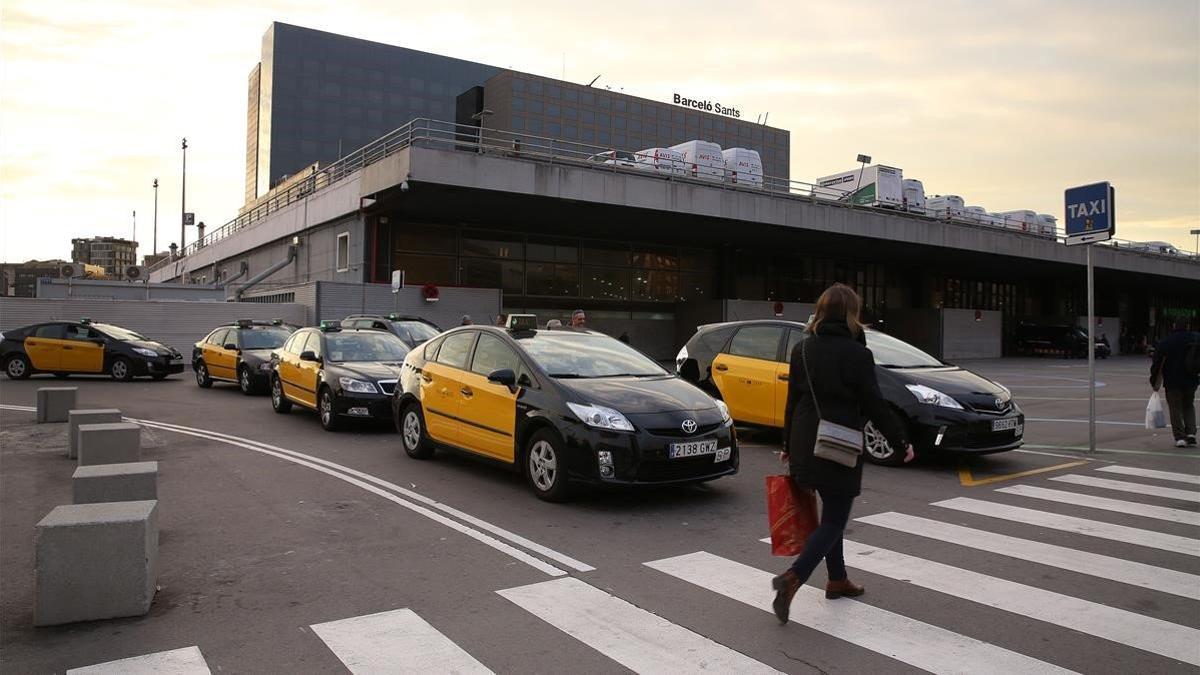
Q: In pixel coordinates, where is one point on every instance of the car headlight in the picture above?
(725, 418)
(932, 396)
(357, 386)
(599, 417)
(145, 352)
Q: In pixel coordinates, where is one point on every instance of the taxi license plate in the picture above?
(692, 449)
(1006, 424)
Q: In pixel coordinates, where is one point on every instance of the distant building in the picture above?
(20, 279)
(111, 253)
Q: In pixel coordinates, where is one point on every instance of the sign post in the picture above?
(397, 284)
(1090, 218)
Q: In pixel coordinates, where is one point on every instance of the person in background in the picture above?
(1170, 369)
(578, 319)
(845, 390)
(466, 320)
(501, 320)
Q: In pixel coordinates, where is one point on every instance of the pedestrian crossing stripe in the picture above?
(636, 638)
(398, 641)
(1126, 486)
(1152, 473)
(1105, 504)
(1084, 562)
(186, 661)
(908, 640)
(1090, 528)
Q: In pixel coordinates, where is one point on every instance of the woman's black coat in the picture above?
(843, 375)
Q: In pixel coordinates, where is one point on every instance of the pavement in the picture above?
(284, 548)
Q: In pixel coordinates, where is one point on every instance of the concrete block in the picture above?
(54, 404)
(111, 443)
(95, 561)
(127, 482)
(78, 417)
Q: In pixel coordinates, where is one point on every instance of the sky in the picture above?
(1006, 102)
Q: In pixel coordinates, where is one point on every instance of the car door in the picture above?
(441, 387)
(795, 335)
(83, 351)
(308, 373)
(289, 365)
(216, 357)
(488, 409)
(747, 371)
(44, 346)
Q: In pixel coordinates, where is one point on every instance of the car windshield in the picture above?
(892, 353)
(364, 346)
(118, 333)
(264, 338)
(417, 331)
(627, 156)
(585, 356)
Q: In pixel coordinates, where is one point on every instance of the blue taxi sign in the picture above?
(1091, 213)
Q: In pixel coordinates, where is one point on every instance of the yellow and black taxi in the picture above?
(339, 372)
(412, 329)
(561, 406)
(84, 347)
(947, 408)
(239, 352)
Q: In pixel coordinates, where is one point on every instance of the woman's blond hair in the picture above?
(839, 302)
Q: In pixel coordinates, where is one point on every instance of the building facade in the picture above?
(111, 253)
(21, 279)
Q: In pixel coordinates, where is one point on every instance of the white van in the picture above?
(875, 185)
(1021, 219)
(977, 214)
(743, 166)
(914, 195)
(945, 206)
(702, 159)
(1047, 225)
(664, 160)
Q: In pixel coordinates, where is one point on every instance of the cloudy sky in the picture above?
(1004, 102)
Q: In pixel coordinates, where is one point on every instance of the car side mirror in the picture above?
(524, 380)
(504, 376)
(230, 346)
(308, 356)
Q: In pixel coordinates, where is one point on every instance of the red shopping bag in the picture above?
(792, 514)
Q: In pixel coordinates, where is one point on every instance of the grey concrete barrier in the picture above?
(111, 443)
(95, 561)
(78, 417)
(125, 482)
(54, 404)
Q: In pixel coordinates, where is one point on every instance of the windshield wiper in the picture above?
(568, 376)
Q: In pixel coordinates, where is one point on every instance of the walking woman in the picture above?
(842, 372)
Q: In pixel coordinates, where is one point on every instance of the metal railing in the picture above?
(424, 132)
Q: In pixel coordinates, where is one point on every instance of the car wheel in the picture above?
(412, 433)
(121, 369)
(546, 467)
(244, 382)
(17, 368)
(279, 402)
(329, 419)
(878, 450)
(62, 376)
(202, 379)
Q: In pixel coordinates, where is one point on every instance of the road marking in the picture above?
(1047, 454)
(1090, 528)
(398, 641)
(966, 479)
(1091, 618)
(1125, 486)
(1055, 419)
(1181, 454)
(905, 639)
(1104, 503)
(1083, 562)
(1151, 473)
(186, 661)
(637, 639)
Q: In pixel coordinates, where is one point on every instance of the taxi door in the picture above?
(222, 362)
(82, 351)
(489, 410)
(308, 372)
(442, 386)
(781, 377)
(747, 374)
(44, 346)
(289, 365)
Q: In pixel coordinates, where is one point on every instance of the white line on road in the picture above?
(1151, 473)
(1091, 528)
(398, 641)
(1105, 504)
(1055, 419)
(1091, 618)
(637, 639)
(908, 640)
(186, 661)
(1093, 564)
(1125, 486)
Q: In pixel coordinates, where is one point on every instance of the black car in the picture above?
(412, 329)
(1058, 340)
(239, 352)
(561, 406)
(947, 408)
(83, 347)
(339, 372)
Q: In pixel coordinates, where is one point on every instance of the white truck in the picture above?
(702, 159)
(945, 206)
(743, 166)
(1047, 225)
(914, 195)
(875, 185)
(1021, 219)
(663, 160)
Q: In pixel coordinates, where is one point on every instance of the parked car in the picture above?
(82, 347)
(239, 352)
(412, 329)
(946, 408)
(1057, 340)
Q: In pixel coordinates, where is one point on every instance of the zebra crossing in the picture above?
(632, 633)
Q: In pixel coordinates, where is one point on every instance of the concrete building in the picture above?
(111, 253)
(21, 279)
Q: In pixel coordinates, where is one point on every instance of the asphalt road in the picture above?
(274, 531)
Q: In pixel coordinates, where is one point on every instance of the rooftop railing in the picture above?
(423, 132)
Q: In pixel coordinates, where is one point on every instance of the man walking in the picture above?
(1175, 367)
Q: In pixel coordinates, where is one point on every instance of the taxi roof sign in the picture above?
(244, 323)
(85, 320)
(522, 322)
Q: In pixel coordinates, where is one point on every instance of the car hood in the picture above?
(257, 355)
(963, 385)
(373, 370)
(158, 347)
(638, 395)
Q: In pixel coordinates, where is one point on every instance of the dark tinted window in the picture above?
(263, 338)
(491, 354)
(78, 332)
(50, 331)
(370, 345)
(757, 342)
(455, 349)
(713, 341)
(414, 332)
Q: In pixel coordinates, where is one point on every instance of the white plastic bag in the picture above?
(1156, 411)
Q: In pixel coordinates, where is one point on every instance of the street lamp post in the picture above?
(154, 241)
(183, 201)
(1197, 233)
(864, 160)
(480, 117)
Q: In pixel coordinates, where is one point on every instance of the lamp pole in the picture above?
(154, 242)
(864, 160)
(183, 201)
(1197, 233)
(481, 116)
